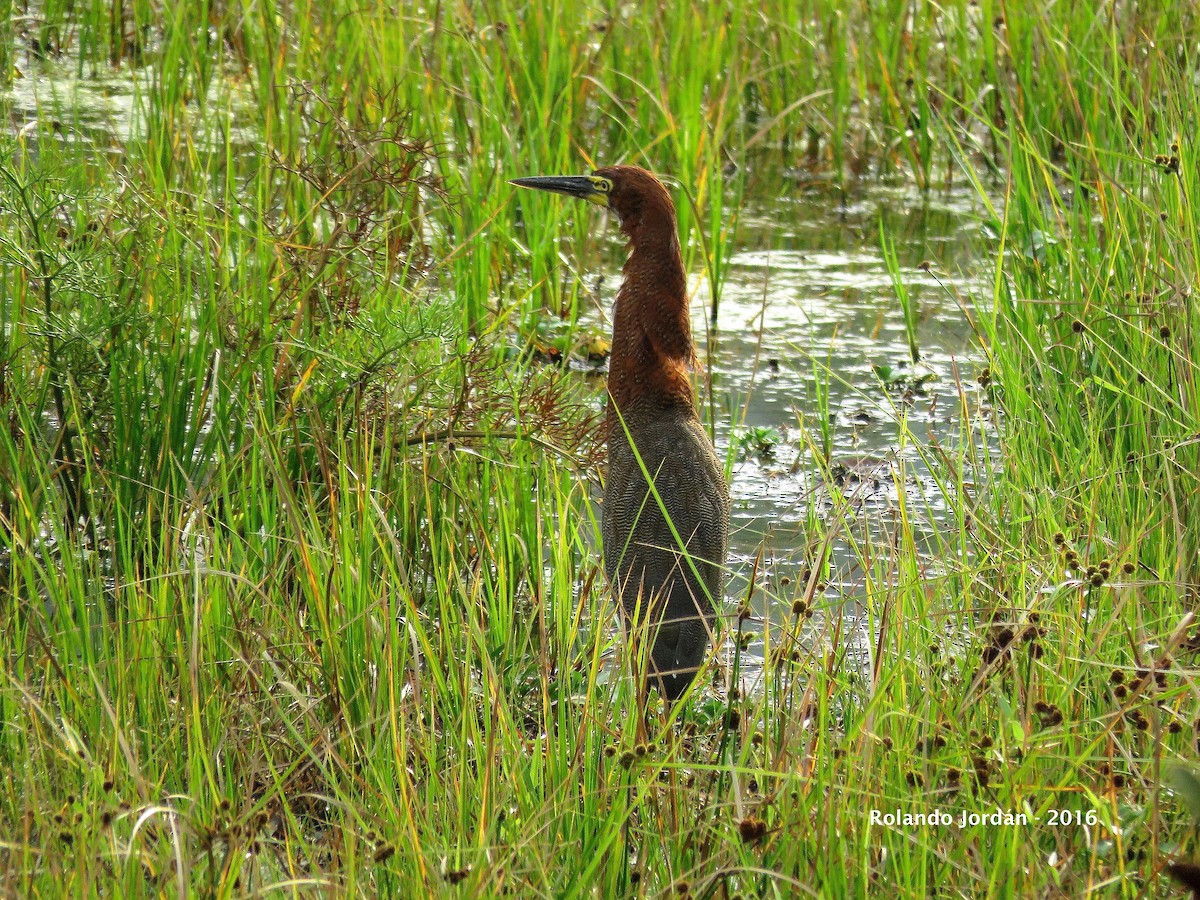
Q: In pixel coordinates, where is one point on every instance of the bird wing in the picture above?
(643, 533)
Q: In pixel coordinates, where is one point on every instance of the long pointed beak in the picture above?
(580, 186)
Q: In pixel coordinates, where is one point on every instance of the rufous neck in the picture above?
(652, 351)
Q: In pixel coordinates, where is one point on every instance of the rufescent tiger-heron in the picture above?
(666, 504)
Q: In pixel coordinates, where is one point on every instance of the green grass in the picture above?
(301, 591)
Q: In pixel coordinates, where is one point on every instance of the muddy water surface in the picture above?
(810, 301)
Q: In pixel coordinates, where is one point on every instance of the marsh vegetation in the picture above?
(300, 589)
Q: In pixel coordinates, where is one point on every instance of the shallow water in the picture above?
(809, 296)
(104, 107)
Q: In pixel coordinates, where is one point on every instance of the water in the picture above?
(809, 297)
(104, 107)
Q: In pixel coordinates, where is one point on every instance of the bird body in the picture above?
(673, 593)
(666, 504)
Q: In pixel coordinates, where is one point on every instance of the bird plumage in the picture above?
(664, 547)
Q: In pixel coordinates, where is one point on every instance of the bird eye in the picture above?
(601, 184)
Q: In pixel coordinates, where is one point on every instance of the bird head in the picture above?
(629, 191)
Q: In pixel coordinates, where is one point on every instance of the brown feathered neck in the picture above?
(652, 349)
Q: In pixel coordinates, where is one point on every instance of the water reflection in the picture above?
(809, 297)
